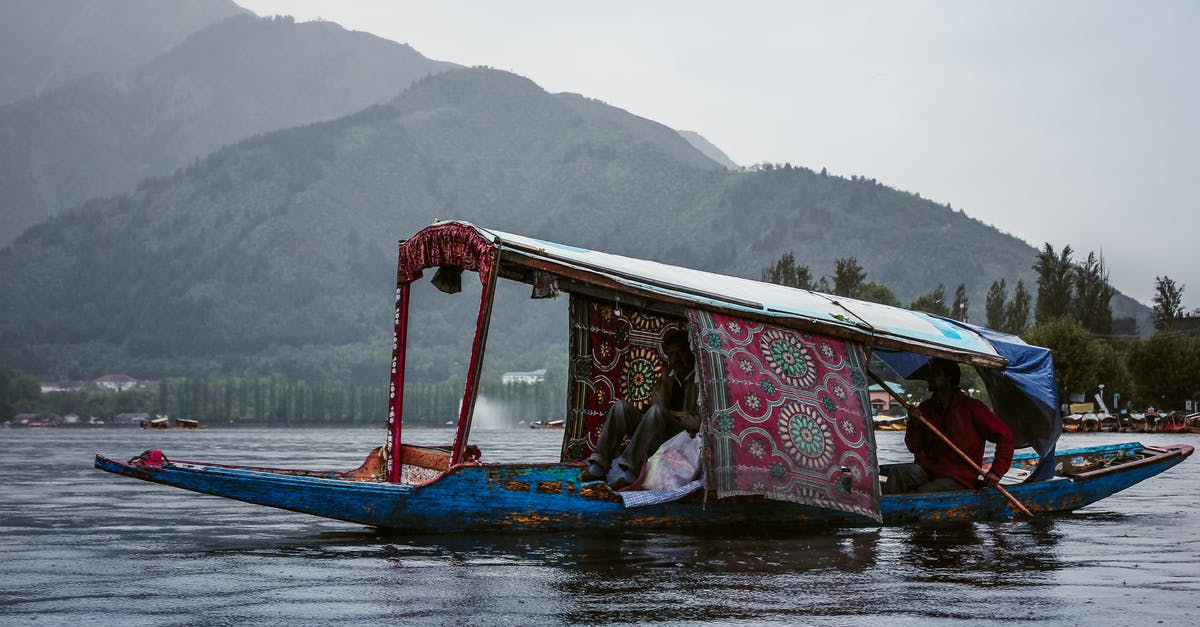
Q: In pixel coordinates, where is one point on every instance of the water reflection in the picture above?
(622, 554)
(983, 554)
(638, 576)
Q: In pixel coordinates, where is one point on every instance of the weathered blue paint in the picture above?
(545, 497)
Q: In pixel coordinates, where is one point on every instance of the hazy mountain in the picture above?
(712, 152)
(287, 240)
(277, 254)
(45, 43)
(100, 135)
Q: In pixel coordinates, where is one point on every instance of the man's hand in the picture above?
(690, 422)
(991, 479)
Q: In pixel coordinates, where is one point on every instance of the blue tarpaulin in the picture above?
(1024, 394)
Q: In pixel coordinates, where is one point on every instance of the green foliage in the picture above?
(997, 306)
(1009, 316)
(848, 280)
(1166, 369)
(18, 391)
(1017, 312)
(785, 271)
(1081, 291)
(1168, 302)
(1093, 293)
(933, 302)
(1055, 281)
(98, 403)
(275, 401)
(848, 277)
(1115, 374)
(877, 293)
(1077, 355)
(960, 309)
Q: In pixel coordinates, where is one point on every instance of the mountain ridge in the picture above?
(276, 254)
(99, 135)
(46, 44)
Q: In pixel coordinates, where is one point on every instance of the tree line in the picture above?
(1071, 315)
(276, 401)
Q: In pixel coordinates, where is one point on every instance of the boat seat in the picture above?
(433, 458)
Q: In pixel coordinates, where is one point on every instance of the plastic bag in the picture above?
(675, 463)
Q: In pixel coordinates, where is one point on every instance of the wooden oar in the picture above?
(967, 458)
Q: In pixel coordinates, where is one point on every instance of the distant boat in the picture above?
(164, 424)
(890, 423)
(1138, 422)
(547, 424)
(1173, 422)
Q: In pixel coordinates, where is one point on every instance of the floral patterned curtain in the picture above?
(786, 414)
(615, 353)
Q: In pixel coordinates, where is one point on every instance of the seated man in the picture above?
(672, 409)
(966, 422)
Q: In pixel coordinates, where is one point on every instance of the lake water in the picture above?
(78, 546)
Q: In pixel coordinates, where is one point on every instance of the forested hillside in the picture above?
(102, 134)
(277, 254)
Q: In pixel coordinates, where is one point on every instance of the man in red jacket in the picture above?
(966, 422)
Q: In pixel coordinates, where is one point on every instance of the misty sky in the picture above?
(1064, 122)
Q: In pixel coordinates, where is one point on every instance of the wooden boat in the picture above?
(890, 423)
(785, 415)
(1171, 422)
(548, 424)
(1193, 422)
(1137, 423)
(1081, 423)
(180, 423)
(538, 497)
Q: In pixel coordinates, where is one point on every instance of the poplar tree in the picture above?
(997, 313)
(1093, 295)
(1168, 302)
(1056, 276)
(1017, 312)
(959, 311)
(848, 277)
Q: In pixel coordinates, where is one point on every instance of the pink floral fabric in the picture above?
(786, 414)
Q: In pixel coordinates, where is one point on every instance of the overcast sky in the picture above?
(1064, 122)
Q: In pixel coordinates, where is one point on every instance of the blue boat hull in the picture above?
(547, 497)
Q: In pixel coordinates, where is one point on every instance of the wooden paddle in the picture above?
(907, 406)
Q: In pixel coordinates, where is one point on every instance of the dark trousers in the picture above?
(646, 433)
(902, 478)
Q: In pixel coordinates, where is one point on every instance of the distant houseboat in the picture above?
(164, 423)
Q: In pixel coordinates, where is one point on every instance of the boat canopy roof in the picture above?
(671, 289)
(1020, 377)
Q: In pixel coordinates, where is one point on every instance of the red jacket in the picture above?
(968, 423)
